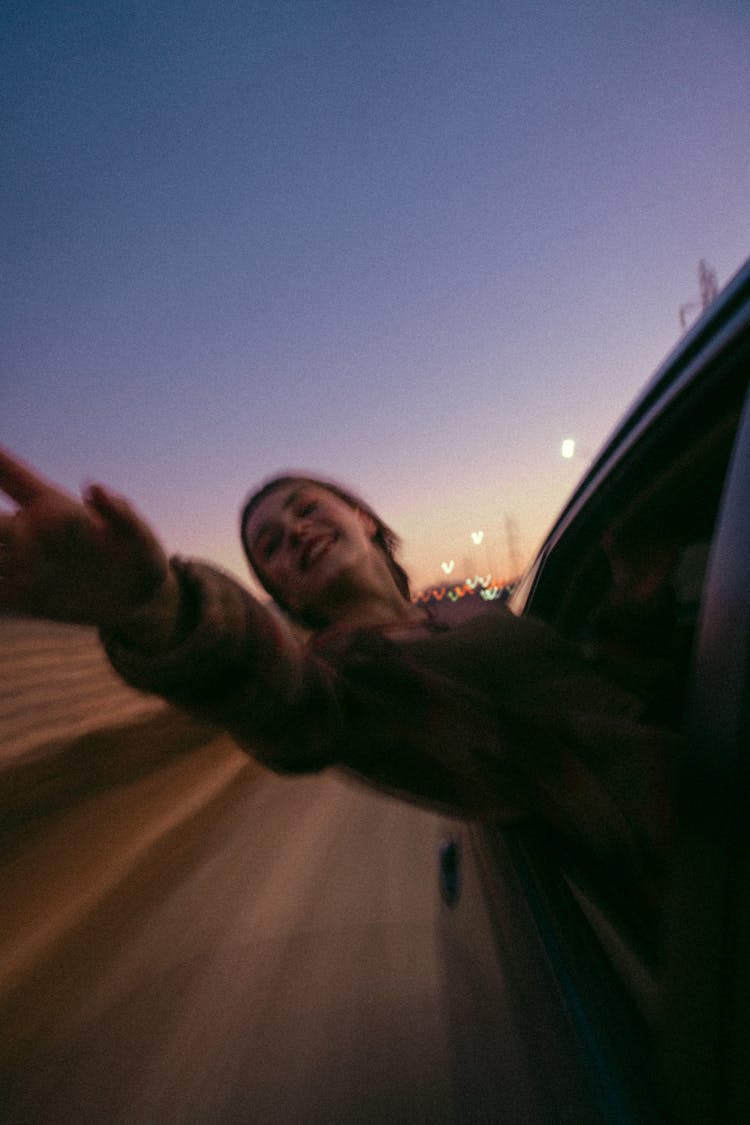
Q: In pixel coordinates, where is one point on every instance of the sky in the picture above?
(410, 246)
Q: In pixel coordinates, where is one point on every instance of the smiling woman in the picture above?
(293, 523)
(500, 718)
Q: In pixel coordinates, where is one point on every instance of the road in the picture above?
(211, 943)
(187, 939)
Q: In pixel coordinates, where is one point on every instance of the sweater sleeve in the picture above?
(350, 699)
(240, 666)
(498, 720)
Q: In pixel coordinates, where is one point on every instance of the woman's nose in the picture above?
(298, 528)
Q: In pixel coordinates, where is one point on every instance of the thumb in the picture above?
(119, 524)
(109, 506)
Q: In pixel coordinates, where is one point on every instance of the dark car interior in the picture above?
(624, 577)
(631, 574)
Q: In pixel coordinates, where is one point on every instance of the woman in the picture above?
(499, 718)
(294, 529)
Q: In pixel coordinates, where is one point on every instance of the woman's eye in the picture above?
(268, 546)
(308, 508)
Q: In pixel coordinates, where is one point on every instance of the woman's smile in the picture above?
(314, 547)
(318, 554)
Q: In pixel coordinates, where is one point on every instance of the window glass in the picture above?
(627, 584)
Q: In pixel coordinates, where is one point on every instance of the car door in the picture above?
(704, 1037)
(659, 1001)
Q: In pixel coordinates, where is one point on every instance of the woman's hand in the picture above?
(92, 562)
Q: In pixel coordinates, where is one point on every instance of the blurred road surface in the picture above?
(187, 939)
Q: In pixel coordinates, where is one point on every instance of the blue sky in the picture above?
(410, 246)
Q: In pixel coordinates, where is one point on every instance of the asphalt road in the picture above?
(210, 943)
(187, 939)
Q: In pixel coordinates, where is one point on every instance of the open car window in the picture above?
(630, 572)
(625, 574)
(625, 577)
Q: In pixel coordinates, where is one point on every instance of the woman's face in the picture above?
(305, 540)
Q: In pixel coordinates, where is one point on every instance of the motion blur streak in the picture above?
(187, 939)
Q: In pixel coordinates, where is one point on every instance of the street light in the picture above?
(568, 448)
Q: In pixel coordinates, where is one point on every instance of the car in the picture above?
(650, 1009)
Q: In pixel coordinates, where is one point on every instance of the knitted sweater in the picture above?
(499, 718)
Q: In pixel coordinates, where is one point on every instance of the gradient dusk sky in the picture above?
(410, 246)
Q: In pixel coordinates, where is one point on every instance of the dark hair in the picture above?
(384, 538)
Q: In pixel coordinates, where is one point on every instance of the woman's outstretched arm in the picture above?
(92, 561)
(178, 629)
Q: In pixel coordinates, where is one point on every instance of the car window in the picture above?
(646, 571)
(624, 575)
(625, 581)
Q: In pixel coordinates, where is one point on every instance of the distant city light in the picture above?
(568, 448)
(447, 568)
(472, 583)
(477, 537)
(487, 588)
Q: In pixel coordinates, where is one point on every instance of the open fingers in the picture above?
(20, 481)
(107, 503)
(114, 510)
